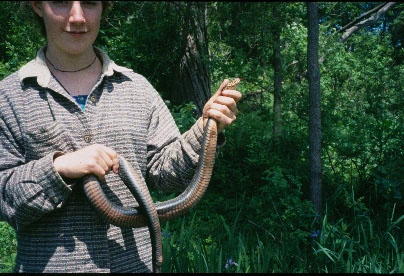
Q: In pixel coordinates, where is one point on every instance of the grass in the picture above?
(185, 251)
(337, 248)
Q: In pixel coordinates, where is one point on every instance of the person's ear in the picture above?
(37, 7)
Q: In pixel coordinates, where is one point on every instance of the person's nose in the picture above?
(76, 13)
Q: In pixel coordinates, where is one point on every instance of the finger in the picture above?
(236, 95)
(222, 120)
(113, 156)
(212, 99)
(100, 159)
(109, 161)
(228, 102)
(223, 110)
(225, 118)
(109, 155)
(99, 173)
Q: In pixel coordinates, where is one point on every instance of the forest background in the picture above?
(272, 204)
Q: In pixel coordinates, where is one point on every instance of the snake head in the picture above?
(232, 85)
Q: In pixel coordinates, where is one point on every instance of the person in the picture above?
(70, 112)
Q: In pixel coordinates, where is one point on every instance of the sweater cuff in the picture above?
(53, 185)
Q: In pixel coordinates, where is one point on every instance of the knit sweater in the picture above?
(57, 230)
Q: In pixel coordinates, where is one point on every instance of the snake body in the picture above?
(148, 213)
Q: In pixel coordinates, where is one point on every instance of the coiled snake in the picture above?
(148, 213)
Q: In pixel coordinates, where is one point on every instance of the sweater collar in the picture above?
(38, 69)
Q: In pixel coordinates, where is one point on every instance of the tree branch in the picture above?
(366, 22)
(360, 17)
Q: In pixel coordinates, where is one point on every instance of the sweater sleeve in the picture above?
(172, 157)
(28, 190)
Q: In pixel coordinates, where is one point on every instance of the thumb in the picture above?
(219, 91)
(214, 97)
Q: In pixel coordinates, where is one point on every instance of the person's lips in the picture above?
(77, 32)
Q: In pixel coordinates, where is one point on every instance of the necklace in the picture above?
(66, 71)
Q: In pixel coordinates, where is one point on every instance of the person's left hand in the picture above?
(222, 107)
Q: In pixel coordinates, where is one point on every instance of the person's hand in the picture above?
(222, 107)
(95, 159)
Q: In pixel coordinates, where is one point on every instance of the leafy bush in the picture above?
(8, 247)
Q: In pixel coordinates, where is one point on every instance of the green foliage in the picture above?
(362, 123)
(8, 247)
(145, 36)
(184, 115)
(21, 38)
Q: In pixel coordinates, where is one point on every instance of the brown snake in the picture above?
(148, 213)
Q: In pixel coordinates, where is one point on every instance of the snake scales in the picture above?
(148, 213)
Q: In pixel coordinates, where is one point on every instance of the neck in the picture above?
(63, 62)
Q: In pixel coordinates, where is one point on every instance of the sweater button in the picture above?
(87, 138)
(93, 99)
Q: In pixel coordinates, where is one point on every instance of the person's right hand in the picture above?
(95, 159)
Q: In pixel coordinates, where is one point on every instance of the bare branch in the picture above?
(360, 17)
(366, 22)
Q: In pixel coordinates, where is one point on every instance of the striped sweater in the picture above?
(57, 230)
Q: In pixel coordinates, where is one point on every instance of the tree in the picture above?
(277, 65)
(192, 74)
(313, 75)
(166, 42)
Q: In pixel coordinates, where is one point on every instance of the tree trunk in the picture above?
(192, 76)
(313, 75)
(277, 65)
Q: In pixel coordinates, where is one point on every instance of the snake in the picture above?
(147, 213)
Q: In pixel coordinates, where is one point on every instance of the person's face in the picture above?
(71, 26)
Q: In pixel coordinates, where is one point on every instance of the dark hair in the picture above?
(106, 7)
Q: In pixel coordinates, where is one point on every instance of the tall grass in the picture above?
(360, 247)
(185, 251)
(338, 247)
